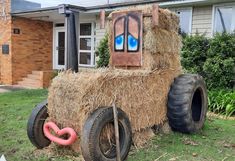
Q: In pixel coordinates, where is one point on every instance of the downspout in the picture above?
(71, 52)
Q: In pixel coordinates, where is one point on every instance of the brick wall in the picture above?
(5, 38)
(32, 48)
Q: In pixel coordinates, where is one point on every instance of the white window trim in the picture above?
(54, 59)
(191, 16)
(92, 51)
(214, 12)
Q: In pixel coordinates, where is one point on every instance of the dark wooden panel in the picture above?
(131, 55)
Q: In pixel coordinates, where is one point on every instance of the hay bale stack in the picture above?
(161, 43)
(141, 93)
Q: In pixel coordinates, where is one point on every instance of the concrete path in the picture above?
(4, 88)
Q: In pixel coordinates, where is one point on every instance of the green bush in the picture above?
(103, 53)
(222, 45)
(220, 64)
(213, 58)
(219, 72)
(193, 55)
(222, 101)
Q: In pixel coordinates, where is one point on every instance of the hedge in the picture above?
(213, 58)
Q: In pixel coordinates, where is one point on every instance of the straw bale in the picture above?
(141, 138)
(161, 61)
(141, 93)
(167, 19)
(161, 40)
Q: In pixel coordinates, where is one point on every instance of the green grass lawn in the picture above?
(215, 142)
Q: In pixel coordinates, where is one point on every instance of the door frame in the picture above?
(92, 37)
(55, 52)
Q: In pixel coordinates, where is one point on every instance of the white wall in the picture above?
(99, 32)
(202, 20)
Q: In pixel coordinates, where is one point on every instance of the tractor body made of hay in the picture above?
(144, 81)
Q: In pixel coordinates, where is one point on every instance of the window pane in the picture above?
(185, 17)
(223, 19)
(85, 58)
(61, 44)
(85, 29)
(85, 44)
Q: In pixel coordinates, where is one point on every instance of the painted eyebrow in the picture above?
(128, 33)
(135, 18)
(124, 31)
(118, 19)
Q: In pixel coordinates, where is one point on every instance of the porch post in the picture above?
(72, 45)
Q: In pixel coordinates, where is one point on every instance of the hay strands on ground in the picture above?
(116, 131)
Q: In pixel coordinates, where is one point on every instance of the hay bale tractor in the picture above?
(144, 83)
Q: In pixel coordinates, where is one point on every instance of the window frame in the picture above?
(214, 15)
(54, 59)
(191, 16)
(92, 37)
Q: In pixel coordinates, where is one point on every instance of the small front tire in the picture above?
(35, 126)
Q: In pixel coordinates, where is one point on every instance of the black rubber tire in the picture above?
(90, 144)
(187, 103)
(35, 126)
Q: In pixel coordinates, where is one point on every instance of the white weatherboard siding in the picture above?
(202, 20)
(99, 32)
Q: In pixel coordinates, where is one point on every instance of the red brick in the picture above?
(31, 50)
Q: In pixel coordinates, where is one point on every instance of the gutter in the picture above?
(180, 3)
(124, 4)
(47, 9)
(87, 9)
(111, 7)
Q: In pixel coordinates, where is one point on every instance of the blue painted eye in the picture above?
(119, 42)
(132, 43)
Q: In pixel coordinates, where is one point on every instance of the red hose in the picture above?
(51, 125)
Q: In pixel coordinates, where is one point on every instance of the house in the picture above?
(204, 16)
(35, 41)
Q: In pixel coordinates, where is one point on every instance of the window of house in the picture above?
(185, 16)
(224, 18)
(86, 48)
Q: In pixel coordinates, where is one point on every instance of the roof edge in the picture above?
(80, 8)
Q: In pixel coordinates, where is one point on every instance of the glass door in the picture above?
(59, 51)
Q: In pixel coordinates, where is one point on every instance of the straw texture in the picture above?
(140, 92)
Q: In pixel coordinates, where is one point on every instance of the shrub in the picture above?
(103, 53)
(222, 101)
(193, 54)
(213, 58)
(223, 45)
(220, 64)
(219, 72)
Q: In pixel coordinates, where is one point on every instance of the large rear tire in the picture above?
(35, 126)
(187, 103)
(98, 137)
